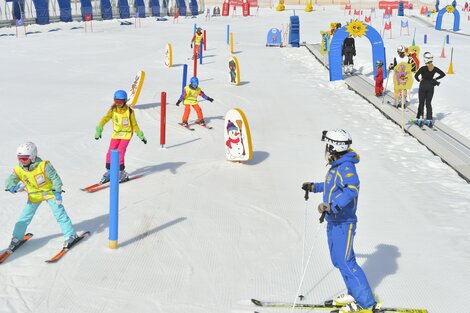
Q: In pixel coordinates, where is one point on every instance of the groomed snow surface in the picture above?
(198, 233)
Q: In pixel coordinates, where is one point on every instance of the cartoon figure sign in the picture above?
(168, 56)
(413, 55)
(136, 86)
(402, 76)
(237, 136)
(234, 71)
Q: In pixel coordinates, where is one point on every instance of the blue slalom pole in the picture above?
(195, 27)
(228, 34)
(185, 76)
(114, 199)
(200, 53)
(447, 39)
(425, 39)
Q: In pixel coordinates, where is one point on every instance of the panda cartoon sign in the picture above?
(237, 136)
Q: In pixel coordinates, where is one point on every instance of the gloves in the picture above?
(308, 187)
(13, 189)
(98, 132)
(142, 137)
(58, 197)
(354, 53)
(328, 208)
(178, 103)
(210, 99)
(390, 67)
(191, 45)
(435, 82)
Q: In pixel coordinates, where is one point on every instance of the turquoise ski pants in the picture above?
(28, 213)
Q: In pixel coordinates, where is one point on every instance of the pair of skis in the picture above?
(328, 306)
(97, 187)
(192, 129)
(6, 254)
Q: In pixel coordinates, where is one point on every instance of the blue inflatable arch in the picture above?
(456, 18)
(336, 59)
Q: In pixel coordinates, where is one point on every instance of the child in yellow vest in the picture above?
(124, 125)
(42, 183)
(189, 98)
(198, 40)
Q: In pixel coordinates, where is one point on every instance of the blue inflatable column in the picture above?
(294, 31)
(114, 200)
(65, 8)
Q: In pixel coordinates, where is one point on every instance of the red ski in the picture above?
(6, 254)
(98, 187)
(62, 252)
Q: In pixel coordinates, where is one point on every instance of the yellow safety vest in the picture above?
(38, 186)
(122, 128)
(191, 95)
(197, 40)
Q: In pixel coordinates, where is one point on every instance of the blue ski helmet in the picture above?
(120, 95)
(194, 82)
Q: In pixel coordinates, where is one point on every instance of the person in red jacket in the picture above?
(379, 79)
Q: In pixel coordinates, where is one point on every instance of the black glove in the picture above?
(191, 45)
(210, 99)
(324, 207)
(308, 187)
(435, 82)
(178, 103)
(354, 53)
(390, 67)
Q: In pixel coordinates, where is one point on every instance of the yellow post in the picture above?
(231, 42)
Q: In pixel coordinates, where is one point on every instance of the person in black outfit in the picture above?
(349, 50)
(426, 88)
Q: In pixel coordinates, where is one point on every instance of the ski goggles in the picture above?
(23, 158)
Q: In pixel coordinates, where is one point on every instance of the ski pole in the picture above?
(385, 89)
(305, 270)
(305, 228)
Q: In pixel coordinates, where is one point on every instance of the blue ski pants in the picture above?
(28, 213)
(340, 242)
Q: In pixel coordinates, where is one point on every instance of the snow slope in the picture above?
(200, 234)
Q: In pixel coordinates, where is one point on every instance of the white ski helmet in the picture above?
(337, 141)
(427, 57)
(28, 149)
(401, 49)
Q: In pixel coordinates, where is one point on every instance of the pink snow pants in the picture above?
(119, 144)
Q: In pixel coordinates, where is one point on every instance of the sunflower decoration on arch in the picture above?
(356, 28)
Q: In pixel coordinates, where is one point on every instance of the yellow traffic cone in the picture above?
(451, 69)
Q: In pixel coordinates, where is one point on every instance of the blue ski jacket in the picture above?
(341, 188)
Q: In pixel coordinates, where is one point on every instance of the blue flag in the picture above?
(404, 24)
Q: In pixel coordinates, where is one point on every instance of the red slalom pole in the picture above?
(163, 119)
(195, 64)
(205, 39)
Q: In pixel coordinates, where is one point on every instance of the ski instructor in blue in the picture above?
(340, 194)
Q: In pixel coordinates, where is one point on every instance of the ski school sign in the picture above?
(391, 4)
(253, 3)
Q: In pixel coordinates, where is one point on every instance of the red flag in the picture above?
(368, 19)
(388, 26)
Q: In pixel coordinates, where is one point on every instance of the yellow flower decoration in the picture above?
(450, 9)
(356, 28)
